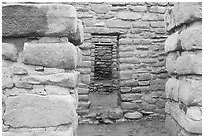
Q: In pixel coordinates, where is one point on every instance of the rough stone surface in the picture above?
(38, 111)
(172, 89)
(38, 20)
(189, 63)
(191, 38)
(55, 55)
(67, 80)
(134, 115)
(7, 81)
(190, 91)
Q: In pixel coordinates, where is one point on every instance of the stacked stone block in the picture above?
(40, 81)
(184, 65)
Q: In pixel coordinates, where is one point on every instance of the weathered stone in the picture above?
(99, 8)
(30, 110)
(172, 89)
(83, 91)
(78, 37)
(140, 24)
(125, 54)
(38, 19)
(189, 63)
(125, 89)
(9, 52)
(143, 83)
(19, 71)
(192, 126)
(131, 96)
(83, 97)
(145, 76)
(130, 83)
(191, 38)
(140, 89)
(85, 78)
(181, 13)
(194, 113)
(187, 12)
(54, 55)
(190, 91)
(157, 9)
(133, 115)
(150, 17)
(84, 104)
(118, 24)
(172, 43)
(67, 80)
(125, 66)
(126, 74)
(129, 60)
(129, 16)
(138, 8)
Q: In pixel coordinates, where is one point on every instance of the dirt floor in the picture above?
(143, 127)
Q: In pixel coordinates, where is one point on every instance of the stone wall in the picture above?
(139, 31)
(184, 65)
(40, 81)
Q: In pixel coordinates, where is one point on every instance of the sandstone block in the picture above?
(9, 52)
(172, 43)
(38, 20)
(194, 112)
(19, 71)
(131, 96)
(118, 24)
(30, 110)
(129, 16)
(83, 91)
(126, 74)
(190, 91)
(85, 78)
(48, 71)
(99, 8)
(144, 76)
(53, 55)
(189, 63)
(190, 125)
(187, 12)
(78, 37)
(130, 83)
(172, 89)
(67, 80)
(191, 38)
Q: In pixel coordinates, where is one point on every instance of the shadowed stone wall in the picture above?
(184, 65)
(40, 81)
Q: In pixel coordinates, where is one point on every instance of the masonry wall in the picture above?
(40, 81)
(142, 72)
(184, 65)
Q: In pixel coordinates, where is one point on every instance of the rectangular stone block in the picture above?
(189, 63)
(38, 20)
(67, 80)
(182, 13)
(131, 96)
(29, 110)
(7, 81)
(52, 55)
(186, 122)
(126, 74)
(130, 105)
(190, 91)
(191, 38)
